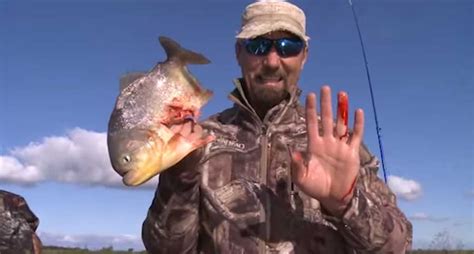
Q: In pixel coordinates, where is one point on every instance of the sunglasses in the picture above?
(285, 47)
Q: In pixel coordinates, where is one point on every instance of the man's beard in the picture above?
(268, 97)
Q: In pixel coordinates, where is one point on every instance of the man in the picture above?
(277, 178)
(17, 226)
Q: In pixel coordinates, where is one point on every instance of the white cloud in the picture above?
(470, 194)
(92, 242)
(404, 188)
(419, 216)
(426, 217)
(80, 157)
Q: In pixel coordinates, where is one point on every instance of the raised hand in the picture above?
(329, 169)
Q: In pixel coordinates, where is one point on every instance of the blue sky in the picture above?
(59, 68)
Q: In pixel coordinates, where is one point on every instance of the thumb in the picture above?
(298, 168)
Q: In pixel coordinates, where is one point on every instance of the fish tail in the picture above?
(176, 53)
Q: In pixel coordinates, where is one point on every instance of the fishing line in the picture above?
(378, 129)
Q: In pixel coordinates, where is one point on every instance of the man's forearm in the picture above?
(372, 222)
(375, 226)
(172, 222)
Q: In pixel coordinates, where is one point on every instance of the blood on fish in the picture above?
(176, 114)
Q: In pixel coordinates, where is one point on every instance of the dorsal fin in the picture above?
(128, 78)
(175, 52)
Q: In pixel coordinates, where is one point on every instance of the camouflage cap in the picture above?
(267, 16)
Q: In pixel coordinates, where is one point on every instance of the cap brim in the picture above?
(256, 29)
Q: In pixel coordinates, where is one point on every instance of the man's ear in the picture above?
(305, 56)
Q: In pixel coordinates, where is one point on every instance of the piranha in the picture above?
(139, 139)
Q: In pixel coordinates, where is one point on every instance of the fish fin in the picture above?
(206, 95)
(175, 52)
(129, 78)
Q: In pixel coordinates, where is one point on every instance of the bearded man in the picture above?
(278, 178)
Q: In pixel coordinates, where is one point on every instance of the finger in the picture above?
(358, 133)
(298, 169)
(176, 128)
(187, 128)
(209, 138)
(196, 133)
(203, 140)
(197, 128)
(311, 120)
(342, 127)
(326, 112)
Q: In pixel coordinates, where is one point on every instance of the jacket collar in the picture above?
(275, 115)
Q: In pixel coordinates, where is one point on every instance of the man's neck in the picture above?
(260, 108)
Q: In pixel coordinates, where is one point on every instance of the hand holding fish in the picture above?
(191, 131)
(330, 168)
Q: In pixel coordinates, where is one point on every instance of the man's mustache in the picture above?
(267, 73)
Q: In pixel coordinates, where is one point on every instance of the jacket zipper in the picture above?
(266, 214)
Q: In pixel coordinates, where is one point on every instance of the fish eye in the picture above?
(126, 159)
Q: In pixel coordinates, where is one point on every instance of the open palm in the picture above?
(329, 170)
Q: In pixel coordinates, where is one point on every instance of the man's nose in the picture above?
(272, 59)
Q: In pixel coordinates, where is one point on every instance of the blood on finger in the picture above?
(343, 112)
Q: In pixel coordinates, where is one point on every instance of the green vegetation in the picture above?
(442, 243)
(442, 252)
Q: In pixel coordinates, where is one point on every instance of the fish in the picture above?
(139, 139)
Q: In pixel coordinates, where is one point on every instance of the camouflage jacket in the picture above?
(17, 226)
(236, 195)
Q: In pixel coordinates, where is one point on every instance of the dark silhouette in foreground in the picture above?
(18, 226)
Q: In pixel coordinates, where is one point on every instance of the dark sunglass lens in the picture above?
(289, 46)
(258, 46)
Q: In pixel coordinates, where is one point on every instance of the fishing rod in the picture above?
(378, 129)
